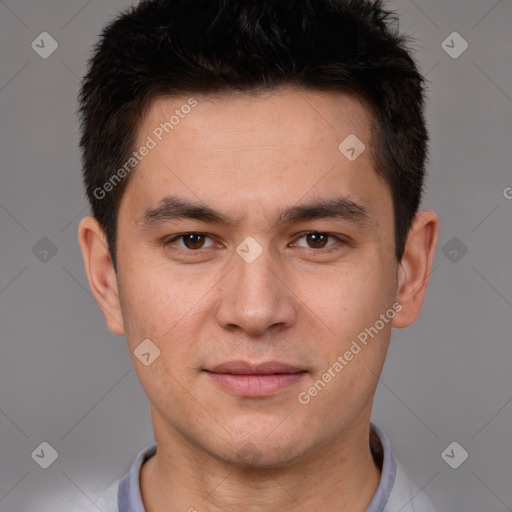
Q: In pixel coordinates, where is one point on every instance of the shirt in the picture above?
(395, 492)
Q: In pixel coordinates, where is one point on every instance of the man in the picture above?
(254, 171)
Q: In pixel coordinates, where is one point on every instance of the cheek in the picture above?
(155, 304)
(350, 298)
(346, 310)
(168, 311)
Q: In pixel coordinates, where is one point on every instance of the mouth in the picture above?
(248, 380)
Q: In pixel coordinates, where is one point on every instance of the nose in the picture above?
(255, 296)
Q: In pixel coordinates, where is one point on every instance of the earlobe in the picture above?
(100, 272)
(415, 268)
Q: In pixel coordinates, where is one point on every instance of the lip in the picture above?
(244, 368)
(255, 380)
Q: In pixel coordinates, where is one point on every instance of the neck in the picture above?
(340, 477)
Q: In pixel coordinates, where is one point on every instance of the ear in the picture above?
(100, 272)
(415, 268)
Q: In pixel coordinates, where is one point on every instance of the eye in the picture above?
(318, 240)
(191, 241)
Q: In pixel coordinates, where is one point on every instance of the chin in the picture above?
(261, 453)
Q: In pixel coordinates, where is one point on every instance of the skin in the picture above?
(249, 157)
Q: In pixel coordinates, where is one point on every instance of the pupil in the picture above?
(194, 240)
(317, 238)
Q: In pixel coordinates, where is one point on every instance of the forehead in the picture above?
(254, 149)
(322, 113)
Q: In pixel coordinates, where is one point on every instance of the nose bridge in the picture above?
(256, 274)
(257, 285)
(255, 297)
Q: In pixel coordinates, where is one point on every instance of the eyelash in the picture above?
(326, 250)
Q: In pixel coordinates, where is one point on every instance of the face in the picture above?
(256, 256)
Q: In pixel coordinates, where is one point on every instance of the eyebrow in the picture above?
(172, 208)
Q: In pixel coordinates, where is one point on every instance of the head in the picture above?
(288, 140)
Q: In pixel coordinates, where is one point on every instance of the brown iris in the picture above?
(193, 240)
(317, 240)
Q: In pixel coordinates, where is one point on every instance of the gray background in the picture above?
(66, 380)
